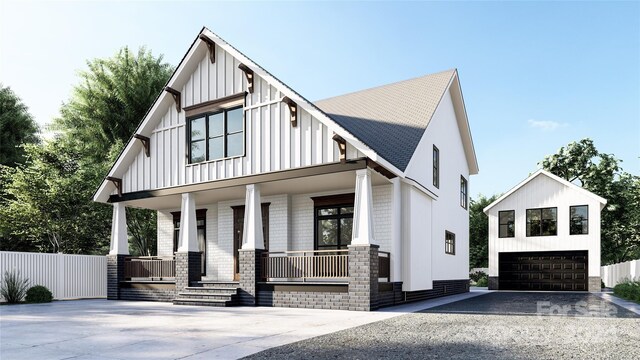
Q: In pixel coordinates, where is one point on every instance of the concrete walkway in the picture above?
(101, 329)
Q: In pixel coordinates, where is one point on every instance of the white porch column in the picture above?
(363, 211)
(252, 236)
(396, 230)
(119, 238)
(188, 241)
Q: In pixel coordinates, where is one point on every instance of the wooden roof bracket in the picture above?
(176, 97)
(248, 73)
(211, 45)
(146, 142)
(117, 182)
(342, 146)
(293, 110)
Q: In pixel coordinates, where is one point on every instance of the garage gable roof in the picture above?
(552, 176)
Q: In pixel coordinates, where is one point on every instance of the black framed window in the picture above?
(449, 243)
(579, 220)
(507, 223)
(436, 167)
(542, 222)
(333, 221)
(216, 135)
(464, 198)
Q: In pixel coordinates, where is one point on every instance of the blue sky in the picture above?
(535, 75)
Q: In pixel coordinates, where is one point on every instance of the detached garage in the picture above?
(544, 235)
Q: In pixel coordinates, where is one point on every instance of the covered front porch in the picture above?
(320, 237)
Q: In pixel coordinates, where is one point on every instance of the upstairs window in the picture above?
(464, 199)
(542, 222)
(216, 136)
(579, 220)
(449, 243)
(507, 224)
(436, 167)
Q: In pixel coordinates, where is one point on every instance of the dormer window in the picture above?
(216, 135)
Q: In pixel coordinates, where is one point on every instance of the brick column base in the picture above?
(595, 283)
(493, 283)
(115, 274)
(188, 269)
(363, 277)
(250, 274)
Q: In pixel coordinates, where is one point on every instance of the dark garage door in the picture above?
(548, 270)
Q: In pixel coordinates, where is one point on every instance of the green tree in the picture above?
(46, 205)
(111, 99)
(580, 162)
(17, 127)
(479, 231)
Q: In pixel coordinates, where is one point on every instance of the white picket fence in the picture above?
(67, 276)
(613, 274)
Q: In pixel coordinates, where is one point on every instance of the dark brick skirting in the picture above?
(147, 294)
(390, 294)
(363, 277)
(494, 282)
(304, 299)
(440, 288)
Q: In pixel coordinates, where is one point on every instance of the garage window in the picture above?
(579, 220)
(449, 243)
(507, 225)
(542, 222)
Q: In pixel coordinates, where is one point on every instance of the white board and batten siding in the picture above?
(271, 143)
(544, 192)
(67, 276)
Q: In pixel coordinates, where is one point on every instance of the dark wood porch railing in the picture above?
(150, 267)
(305, 265)
(384, 265)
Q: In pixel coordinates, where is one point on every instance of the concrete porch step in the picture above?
(214, 290)
(203, 295)
(202, 302)
(215, 284)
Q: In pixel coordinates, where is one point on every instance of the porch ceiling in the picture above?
(311, 184)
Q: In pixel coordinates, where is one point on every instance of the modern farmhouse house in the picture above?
(265, 198)
(544, 234)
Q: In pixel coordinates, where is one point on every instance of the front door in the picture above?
(238, 228)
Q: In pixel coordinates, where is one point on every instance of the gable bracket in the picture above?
(380, 169)
(248, 73)
(342, 146)
(146, 142)
(176, 97)
(117, 182)
(293, 110)
(211, 45)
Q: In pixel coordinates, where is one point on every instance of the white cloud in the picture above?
(546, 125)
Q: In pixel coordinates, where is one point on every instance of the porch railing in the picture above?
(384, 265)
(305, 265)
(150, 267)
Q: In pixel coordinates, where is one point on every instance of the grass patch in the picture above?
(629, 290)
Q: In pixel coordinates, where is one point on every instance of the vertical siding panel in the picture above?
(296, 135)
(318, 142)
(220, 65)
(195, 99)
(277, 132)
(229, 75)
(154, 161)
(237, 77)
(213, 76)
(181, 154)
(307, 141)
(246, 160)
(286, 127)
(257, 127)
(266, 136)
(204, 78)
(174, 156)
(328, 144)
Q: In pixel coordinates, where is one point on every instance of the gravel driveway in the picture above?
(517, 333)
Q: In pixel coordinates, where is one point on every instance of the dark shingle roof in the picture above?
(390, 119)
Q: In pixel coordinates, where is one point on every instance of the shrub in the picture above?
(476, 276)
(13, 287)
(482, 282)
(628, 289)
(39, 294)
